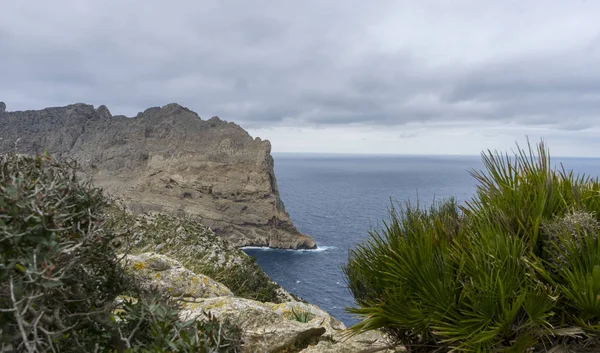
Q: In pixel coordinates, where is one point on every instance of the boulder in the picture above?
(164, 275)
(264, 329)
(266, 326)
(200, 250)
(372, 341)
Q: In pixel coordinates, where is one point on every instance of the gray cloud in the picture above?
(310, 63)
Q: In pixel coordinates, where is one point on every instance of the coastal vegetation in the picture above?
(79, 272)
(62, 287)
(515, 269)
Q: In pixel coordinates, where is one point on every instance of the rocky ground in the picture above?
(186, 262)
(290, 326)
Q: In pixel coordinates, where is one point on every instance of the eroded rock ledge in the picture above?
(289, 326)
(186, 263)
(167, 160)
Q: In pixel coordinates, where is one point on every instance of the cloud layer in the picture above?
(409, 67)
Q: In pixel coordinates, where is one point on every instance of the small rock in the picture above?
(2, 107)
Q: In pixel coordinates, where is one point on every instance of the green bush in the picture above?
(60, 273)
(246, 280)
(153, 326)
(301, 316)
(58, 268)
(515, 269)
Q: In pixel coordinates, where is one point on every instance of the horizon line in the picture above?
(366, 154)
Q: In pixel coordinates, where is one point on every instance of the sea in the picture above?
(338, 199)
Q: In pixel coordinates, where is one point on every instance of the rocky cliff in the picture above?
(166, 160)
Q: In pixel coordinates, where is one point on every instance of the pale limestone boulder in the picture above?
(265, 329)
(372, 341)
(162, 274)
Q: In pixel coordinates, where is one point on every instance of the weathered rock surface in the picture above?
(269, 327)
(161, 274)
(266, 327)
(372, 341)
(167, 160)
(197, 248)
(263, 328)
(289, 326)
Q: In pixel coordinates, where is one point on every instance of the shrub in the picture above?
(58, 269)
(515, 269)
(153, 325)
(60, 275)
(246, 280)
(300, 315)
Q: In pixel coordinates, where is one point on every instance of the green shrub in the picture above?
(301, 316)
(516, 269)
(60, 273)
(246, 280)
(153, 325)
(523, 191)
(58, 269)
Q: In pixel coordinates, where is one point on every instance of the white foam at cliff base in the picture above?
(264, 248)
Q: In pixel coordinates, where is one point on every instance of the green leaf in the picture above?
(21, 268)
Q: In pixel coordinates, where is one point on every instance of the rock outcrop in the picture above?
(195, 247)
(266, 327)
(160, 274)
(166, 160)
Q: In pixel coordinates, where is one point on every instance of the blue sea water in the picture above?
(337, 199)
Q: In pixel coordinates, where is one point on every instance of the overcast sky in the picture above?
(414, 77)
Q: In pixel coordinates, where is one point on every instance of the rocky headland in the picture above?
(166, 160)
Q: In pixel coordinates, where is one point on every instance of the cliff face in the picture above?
(167, 160)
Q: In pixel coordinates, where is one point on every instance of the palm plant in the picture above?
(515, 269)
(301, 316)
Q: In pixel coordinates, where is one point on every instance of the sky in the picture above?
(336, 76)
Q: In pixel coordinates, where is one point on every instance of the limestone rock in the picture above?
(269, 327)
(263, 328)
(103, 112)
(372, 341)
(167, 160)
(2, 107)
(161, 274)
(266, 326)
